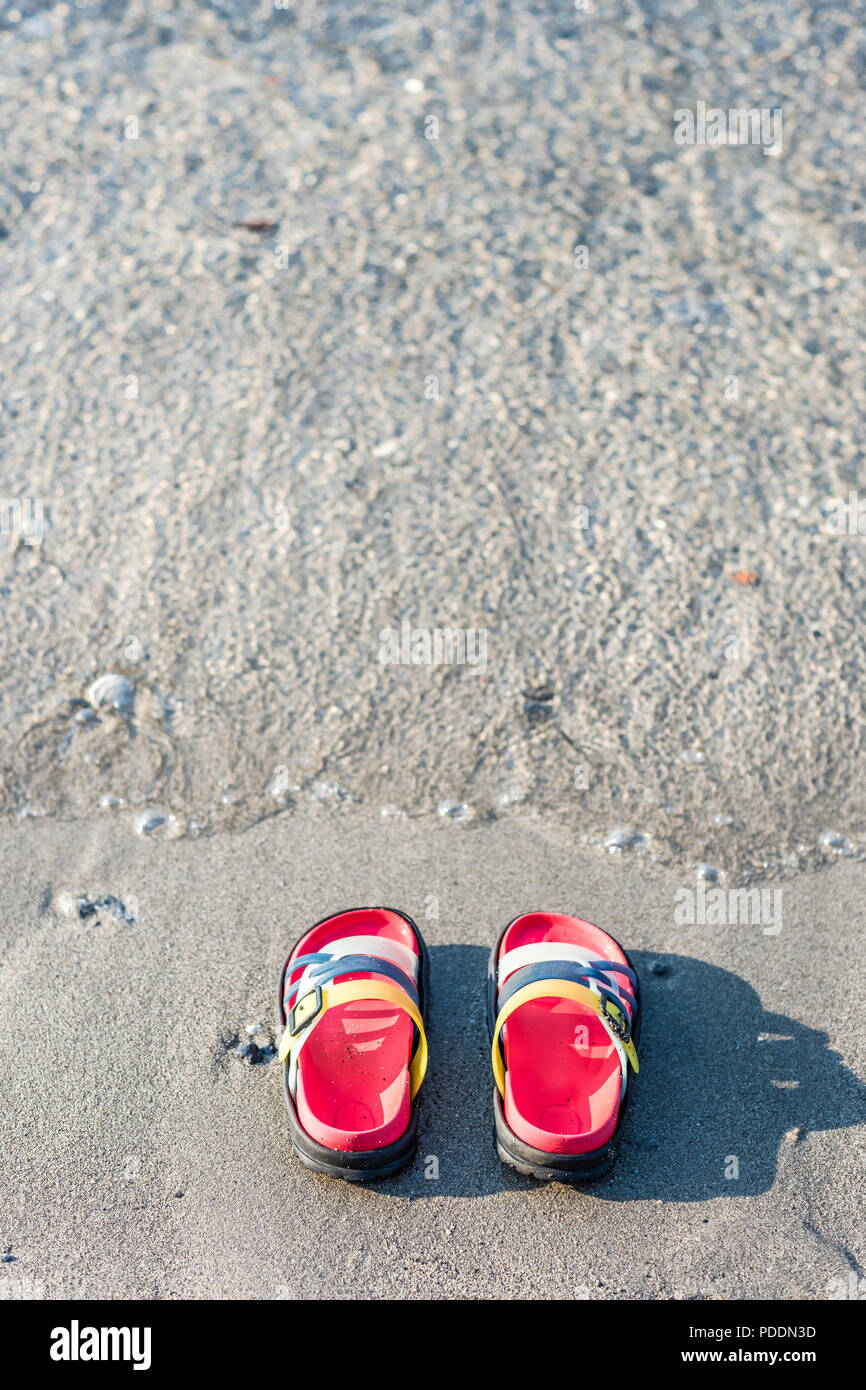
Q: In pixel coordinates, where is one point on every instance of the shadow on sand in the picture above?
(722, 1083)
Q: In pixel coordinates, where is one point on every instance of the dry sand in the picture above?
(121, 1091)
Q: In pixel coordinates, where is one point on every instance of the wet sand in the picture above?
(122, 1090)
(395, 397)
(321, 322)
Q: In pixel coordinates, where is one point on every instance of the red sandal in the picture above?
(564, 1013)
(352, 1005)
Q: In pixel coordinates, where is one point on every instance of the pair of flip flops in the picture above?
(563, 1007)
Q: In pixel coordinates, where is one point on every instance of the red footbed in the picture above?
(353, 1070)
(563, 1078)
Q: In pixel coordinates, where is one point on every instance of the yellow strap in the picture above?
(353, 991)
(549, 989)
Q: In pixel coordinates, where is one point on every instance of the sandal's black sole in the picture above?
(372, 1164)
(537, 1163)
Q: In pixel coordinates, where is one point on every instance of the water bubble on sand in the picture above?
(67, 903)
(122, 912)
(323, 790)
(708, 872)
(161, 824)
(836, 843)
(111, 691)
(84, 906)
(691, 755)
(386, 449)
(510, 795)
(722, 818)
(254, 1054)
(455, 810)
(624, 838)
(282, 785)
(110, 802)
(392, 812)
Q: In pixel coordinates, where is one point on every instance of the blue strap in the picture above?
(563, 970)
(326, 967)
(614, 967)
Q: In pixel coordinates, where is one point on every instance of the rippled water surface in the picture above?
(391, 397)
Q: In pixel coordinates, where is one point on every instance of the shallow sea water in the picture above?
(256, 448)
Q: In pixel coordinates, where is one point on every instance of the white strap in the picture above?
(538, 951)
(383, 946)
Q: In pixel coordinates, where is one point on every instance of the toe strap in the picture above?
(312, 1006)
(612, 1014)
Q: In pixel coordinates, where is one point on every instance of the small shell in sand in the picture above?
(111, 691)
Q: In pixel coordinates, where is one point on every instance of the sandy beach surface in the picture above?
(152, 1161)
(327, 322)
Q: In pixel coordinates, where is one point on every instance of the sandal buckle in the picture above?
(294, 1025)
(620, 1025)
